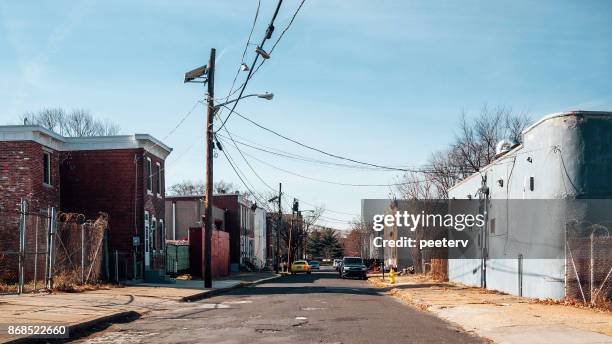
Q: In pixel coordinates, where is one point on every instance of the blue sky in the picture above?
(380, 81)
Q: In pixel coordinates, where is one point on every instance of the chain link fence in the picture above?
(42, 250)
(589, 263)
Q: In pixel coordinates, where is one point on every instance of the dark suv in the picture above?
(353, 267)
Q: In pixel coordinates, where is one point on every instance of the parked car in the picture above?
(353, 267)
(300, 266)
(337, 263)
(314, 265)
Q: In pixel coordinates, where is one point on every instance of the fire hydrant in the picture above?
(392, 275)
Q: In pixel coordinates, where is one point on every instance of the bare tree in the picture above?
(187, 188)
(473, 148)
(475, 143)
(357, 240)
(223, 187)
(77, 123)
(197, 188)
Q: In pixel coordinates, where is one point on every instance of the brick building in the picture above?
(122, 176)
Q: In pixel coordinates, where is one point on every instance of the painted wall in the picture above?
(568, 156)
(260, 243)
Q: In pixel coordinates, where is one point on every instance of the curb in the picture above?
(85, 328)
(215, 292)
(82, 329)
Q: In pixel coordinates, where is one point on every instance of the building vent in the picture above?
(504, 146)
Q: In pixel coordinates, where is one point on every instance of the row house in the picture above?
(122, 176)
(232, 213)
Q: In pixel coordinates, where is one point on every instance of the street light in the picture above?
(266, 96)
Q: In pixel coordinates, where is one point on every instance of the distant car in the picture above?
(300, 266)
(353, 267)
(314, 265)
(337, 263)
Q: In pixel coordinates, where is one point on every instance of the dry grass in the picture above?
(69, 283)
(600, 305)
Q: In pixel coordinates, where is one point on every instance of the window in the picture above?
(159, 176)
(149, 175)
(492, 226)
(162, 235)
(47, 168)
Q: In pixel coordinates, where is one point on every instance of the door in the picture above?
(147, 240)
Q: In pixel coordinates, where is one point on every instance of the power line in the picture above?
(298, 157)
(320, 150)
(327, 181)
(249, 164)
(246, 46)
(268, 35)
(183, 119)
(236, 169)
(278, 40)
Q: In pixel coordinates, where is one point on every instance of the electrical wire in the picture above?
(242, 180)
(293, 156)
(320, 150)
(183, 119)
(278, 39)
(246, 46)
(327, 181)
(268, 35)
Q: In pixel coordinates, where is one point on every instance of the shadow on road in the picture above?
(268, 290)
(304, 278)
(327, 283)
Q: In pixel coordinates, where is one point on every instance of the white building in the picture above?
(563, 156)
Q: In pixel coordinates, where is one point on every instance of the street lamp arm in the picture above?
(267, 96)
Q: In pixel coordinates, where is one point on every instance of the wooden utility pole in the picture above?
(208, 224)
(278, 225)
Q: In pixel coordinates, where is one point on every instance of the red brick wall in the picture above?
(94, 181)
(21, 177)
(232, 223)
(114, 182)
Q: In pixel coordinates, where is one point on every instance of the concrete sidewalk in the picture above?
(500, 317)
(87, 309)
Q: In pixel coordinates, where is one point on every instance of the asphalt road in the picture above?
(317, 308)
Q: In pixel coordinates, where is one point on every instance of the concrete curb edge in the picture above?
(124, 316)
(215, 292)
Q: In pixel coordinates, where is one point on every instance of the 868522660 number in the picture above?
(36, 330)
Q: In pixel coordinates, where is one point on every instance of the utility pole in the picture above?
(208, 224)
(294, 210)
(278, 225)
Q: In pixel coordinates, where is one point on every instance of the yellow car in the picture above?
(300, 266)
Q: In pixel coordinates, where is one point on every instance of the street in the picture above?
(317, 308)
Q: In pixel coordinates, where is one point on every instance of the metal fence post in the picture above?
(22, 232)
(82, 254)
(36, 252)
(116, 266)
(592, 274)
(50, 238)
